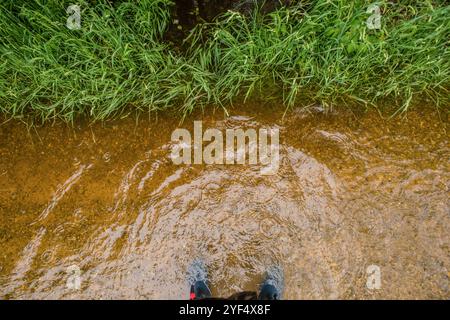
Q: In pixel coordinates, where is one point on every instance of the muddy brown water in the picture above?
(351, 191)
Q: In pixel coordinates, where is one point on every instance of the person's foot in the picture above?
(272, 286)
(197, 278)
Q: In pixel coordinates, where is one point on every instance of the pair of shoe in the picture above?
(270, 288)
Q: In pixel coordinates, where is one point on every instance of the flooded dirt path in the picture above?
(351, 191)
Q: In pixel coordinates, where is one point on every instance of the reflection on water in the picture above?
(351, 191)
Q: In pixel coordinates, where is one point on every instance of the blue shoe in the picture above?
(197, 278)
(272, 287)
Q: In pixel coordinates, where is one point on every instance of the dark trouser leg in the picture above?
(272, 286)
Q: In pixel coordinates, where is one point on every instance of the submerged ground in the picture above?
(353, 190)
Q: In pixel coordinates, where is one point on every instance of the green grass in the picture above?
(119, 61)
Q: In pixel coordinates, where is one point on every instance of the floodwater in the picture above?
(100, 211)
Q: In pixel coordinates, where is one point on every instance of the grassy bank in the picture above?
(119, 59)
